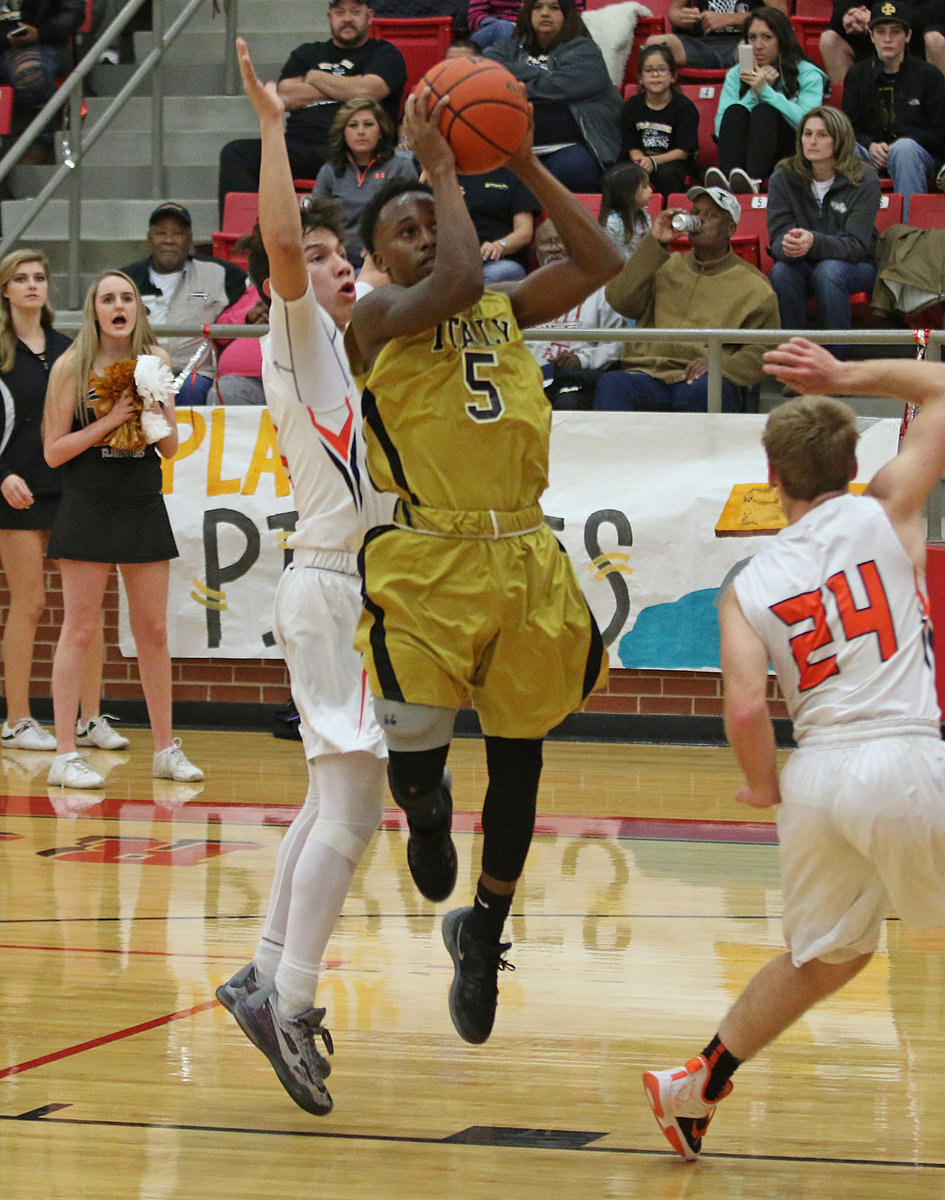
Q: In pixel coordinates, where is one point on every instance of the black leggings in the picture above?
(754, 139)
(508, 811)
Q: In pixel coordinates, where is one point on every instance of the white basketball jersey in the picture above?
(316, 408)
(841, 610)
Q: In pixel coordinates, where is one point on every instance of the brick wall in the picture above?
(247, 682)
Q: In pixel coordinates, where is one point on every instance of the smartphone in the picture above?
(746, 57)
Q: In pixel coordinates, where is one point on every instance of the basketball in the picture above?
(487, 115)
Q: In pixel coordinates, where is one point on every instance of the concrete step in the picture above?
(206, 47)
(132, 181)
(191, 113)
(108, 221)
(180, 79)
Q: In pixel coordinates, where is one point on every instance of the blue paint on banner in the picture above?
(682, 635)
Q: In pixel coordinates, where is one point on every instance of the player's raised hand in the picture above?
(264, 97)
(807, 367)
(422, 127)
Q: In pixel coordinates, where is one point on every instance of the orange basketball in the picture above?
(487, 115)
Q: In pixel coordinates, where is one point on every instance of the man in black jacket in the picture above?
(316, 80)
(896, 104)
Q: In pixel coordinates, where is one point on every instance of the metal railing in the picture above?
(80, 136)
(715, 339)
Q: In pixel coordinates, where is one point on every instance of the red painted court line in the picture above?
(644, 828)
(117, 1036)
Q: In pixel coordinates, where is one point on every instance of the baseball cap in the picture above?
(890, 11)
(170, 208)
(725, 200)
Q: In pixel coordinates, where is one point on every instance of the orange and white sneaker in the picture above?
(677, 1097)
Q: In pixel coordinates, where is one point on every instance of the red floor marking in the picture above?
(107, 1038)
(675, 829)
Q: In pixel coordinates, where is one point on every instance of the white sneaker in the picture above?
(27, 735)
(70, 771)
(742, 184)
(677, 1098)
(100, 734)
(715, 177)
(173, 763)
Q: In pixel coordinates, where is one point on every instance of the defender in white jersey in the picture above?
(837, 603)
(314, 405)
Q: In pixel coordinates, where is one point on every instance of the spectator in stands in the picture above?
(572, 368)
(179, 287)
(759, 109)
(35, 41)
(362, 157)
(576, 106)
(318, 77)
(822, 206)
(706, 32)
(491, 20)
(896, 103)
(503, 212)
(659, 126)
(846, 40)
(708, 288)
(239, 367)
(623, 205)
(929, 22)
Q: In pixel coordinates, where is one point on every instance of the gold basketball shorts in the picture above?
(492, 614)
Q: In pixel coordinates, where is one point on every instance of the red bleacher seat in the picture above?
(927, 210)
(240, 210)
(807, 30)
(6, 108)
(421, 40)
(890, 210)
(705, 96)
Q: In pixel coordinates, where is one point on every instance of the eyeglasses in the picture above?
(655, 71)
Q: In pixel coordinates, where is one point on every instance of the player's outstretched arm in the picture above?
(905, 481)
(279, 219)
(455, 282)
(748, 724)
(593, 258)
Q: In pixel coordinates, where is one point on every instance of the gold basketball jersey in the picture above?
(456, 417)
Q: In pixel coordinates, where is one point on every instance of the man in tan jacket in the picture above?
(710, 287)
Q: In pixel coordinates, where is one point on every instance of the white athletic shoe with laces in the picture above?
(677, 1097)
(27, 735)
(99, 733)
(173, 763)
(71, 771)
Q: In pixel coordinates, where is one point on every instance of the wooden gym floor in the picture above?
(649, 900)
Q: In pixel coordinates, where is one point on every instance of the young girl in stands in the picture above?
(759, 109)
(626, 192)
(659, 126)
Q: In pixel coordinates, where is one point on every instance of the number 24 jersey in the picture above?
(841, 610)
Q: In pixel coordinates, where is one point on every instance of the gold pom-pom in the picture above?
(107, 389)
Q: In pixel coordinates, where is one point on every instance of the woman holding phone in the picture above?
(763, 98)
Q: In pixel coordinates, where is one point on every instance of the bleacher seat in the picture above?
(890, 210)
(240, 210)
(705, 96)
(6, 109)
(927, 210)
(421, 40)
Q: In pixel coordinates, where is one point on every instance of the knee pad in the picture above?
(343, 839)
(410, 727)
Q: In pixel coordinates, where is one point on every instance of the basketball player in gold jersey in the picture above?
(468, 595)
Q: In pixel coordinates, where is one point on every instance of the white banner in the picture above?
(634, 498)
